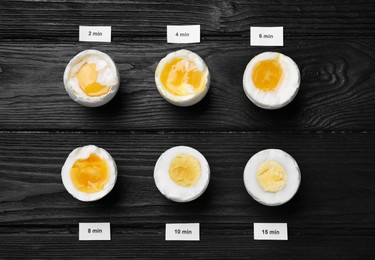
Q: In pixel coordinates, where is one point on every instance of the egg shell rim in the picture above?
(172, 151)
(88, 101)
(299, 177)
(77, 194)
(246, 82)
(182, 101)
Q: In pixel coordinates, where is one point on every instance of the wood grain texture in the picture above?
(329, 129)
(215, 245)
(59, 20)
(336, 92)
(332, 210)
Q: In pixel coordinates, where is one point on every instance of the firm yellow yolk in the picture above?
(87, 76)
(185, 170)
(91, 174)
(181, 77)
(271, 176)
(267, 74)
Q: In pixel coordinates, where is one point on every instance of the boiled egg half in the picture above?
(272, 177)
(271, 80)
(182, 78)
(182, 174)
(91, 78)
(89, 173)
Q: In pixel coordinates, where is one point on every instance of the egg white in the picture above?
(287, 88)
(108, 75)
(83, 153)
(187, 100)
(172, 190)
(292, 171)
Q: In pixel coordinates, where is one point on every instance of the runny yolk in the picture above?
(87, 77)
(271, 176)
(181, 77)
(185, 170)
(91, 174)
(267, 74)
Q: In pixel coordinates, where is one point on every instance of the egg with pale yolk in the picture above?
(271, 80)
(272, 177)
(89, 173)
(182, 78)
(91, 78)
(182, 174)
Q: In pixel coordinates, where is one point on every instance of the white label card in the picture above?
(270, 231)
(95, 33)
(267, 36)
(182, 231)
(94, 231)
(183, 33)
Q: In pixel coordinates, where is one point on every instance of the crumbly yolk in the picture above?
(87, 76)
(181, 77)
(271, 176)
(185, 170)
(267, 74)
(91, 174)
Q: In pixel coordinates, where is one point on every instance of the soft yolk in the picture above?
(267, 74)
(271, 176)
(91, 174)
(87, 76)
(181, 77)
(185, 170)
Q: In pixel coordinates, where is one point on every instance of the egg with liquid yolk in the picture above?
(182, 174)
(89, 173)
(271, 80)
(182, 78)
(91, 78)
(272, 177)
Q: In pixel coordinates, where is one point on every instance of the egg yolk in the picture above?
(181, 77)
(91, 174)
(267, 74)
(87, 77)
(271, 176)
(185, 170)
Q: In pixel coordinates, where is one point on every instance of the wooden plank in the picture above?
(337, 185)
(56, 20)
(329, 129)
(336, 92)
(149, 243)
(332, 214)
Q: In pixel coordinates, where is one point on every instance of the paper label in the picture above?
(94, 231)
(95, 33)
(183, 33)
(267, 36)
(185, 231)
(270, 231)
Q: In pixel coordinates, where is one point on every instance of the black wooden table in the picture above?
(329, 129)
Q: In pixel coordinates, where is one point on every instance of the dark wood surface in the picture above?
(329, 128)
